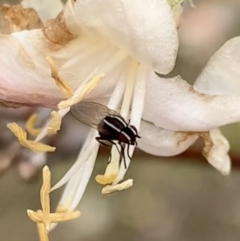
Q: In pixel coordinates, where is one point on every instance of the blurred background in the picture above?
(180, 198)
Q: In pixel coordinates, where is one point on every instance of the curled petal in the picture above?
(19, 18)
(145, 29)
(216, 151)
(174, 105)
(160, 142)
(221, 76)
(46, 9)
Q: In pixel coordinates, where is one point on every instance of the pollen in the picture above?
(65, 88)
(105, 179)
(112, 169)
(88, 88)
(43, 218)
(30, 125)
(22, 138)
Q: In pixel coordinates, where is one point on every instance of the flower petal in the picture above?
(160, 142)
(221, 76)
(145, 29)
(174, 105)
(22, 79)
(25, 75)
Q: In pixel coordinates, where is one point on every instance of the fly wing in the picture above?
(91, 113)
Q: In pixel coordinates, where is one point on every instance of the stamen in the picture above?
(58, 217)
(62, 112)
(89, 87)
(89, 145)
(30, 125)
(136, 113)
(78, 175)
(112, 169)
(53, 127)
(22, 138)
(44, 196)
(42, 232)
(55, 123)
(50, 124)
(77, 185)
(65, 88)
(118, 187)
(129, 89)
(86, 87)
(43, 217)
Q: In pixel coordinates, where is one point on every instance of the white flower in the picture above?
(110, 52)
(124, 44)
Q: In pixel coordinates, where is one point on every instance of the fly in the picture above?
(110, 124)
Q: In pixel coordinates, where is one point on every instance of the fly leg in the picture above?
(101, 141)
(119, 151)
(122, 155)
(128, 149)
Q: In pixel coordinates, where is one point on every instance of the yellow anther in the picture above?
(53, 127)
(55, 123)
(42, 232)
(30, 125)
(44, 195)
(22, 137)
(54, 217)
(105, 179)
(35, 216)
(89, 87)
(112, 169)
(118, 187)
(65, 88)
(43, 217)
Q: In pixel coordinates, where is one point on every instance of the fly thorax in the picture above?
(124, 137)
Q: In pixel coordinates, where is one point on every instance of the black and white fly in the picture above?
(110, 124)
